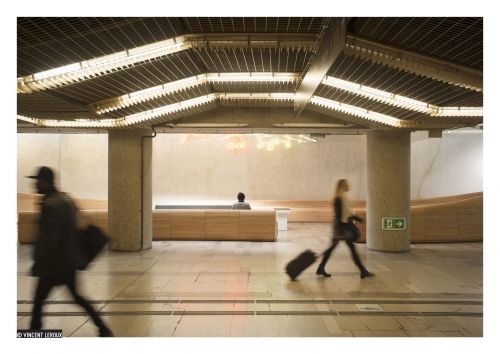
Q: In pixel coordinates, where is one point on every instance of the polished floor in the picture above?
(240, 289)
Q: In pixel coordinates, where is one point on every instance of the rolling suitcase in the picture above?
(299, 264)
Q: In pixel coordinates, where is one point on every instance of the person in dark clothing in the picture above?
(57, 253)
(241, 204)
(343, 229)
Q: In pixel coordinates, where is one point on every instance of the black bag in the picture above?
(91, 241)
(299, 264)
(352, 232)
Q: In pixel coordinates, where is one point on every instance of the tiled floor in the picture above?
(239, 289)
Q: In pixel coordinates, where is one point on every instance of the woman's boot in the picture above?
(321, 271)
(365, 273)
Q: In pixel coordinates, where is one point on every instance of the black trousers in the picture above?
(352, 234)
(45, 284)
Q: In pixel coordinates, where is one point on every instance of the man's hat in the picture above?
(44, 174)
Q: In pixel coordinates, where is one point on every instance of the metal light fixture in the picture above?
(313, 125)
(98, 66)
(206, 125)
(402, 101)
(136, 97)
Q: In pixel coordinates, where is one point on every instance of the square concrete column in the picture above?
(388, 191)
(130, 190)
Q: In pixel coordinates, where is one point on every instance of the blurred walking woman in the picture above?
(343, 229)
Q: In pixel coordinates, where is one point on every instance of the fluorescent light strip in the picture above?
(78, 123)
(28, 119)
(147, 94)
(256, 96)
(79, 71)
(457, 112)
(401, 101)
(312, 125)
(414, 63)
(363, 113)
(253, 77)
(150, 114)
(175, 86)
(475, 131)
(153, 113)
(208, 125)
(124, 121)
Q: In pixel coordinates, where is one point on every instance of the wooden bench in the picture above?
(458, 220)
(432, 219)
(28, 223)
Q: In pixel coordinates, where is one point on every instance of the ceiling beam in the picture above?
(328, 49)
(261, 117)
(416, 63)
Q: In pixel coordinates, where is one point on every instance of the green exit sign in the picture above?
(394, 224)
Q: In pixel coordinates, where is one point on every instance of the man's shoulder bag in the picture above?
(91, 240)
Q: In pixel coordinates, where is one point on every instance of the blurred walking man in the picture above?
(57, 253)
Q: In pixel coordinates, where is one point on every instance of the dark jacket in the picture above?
(56, 250)
(343, 230)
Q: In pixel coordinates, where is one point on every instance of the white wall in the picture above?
(207, 170)
(447, 166)
(80, 162)
(34, 150)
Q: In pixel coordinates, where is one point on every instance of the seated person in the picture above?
(241, 204)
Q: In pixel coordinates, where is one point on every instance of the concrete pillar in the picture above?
(129, 195)
(388, 189)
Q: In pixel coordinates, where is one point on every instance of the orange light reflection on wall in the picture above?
(236, 140)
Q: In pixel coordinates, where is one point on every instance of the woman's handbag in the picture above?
(352, 231)
(346, 231)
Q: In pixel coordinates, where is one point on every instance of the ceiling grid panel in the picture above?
(435, 61)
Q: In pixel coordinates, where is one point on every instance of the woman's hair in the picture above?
(241, 196)
(339, 192)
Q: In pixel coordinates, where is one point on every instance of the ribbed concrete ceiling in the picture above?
(279, 46)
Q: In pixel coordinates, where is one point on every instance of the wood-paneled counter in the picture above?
(228, 225)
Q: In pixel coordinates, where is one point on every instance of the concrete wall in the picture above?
(209, 170)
